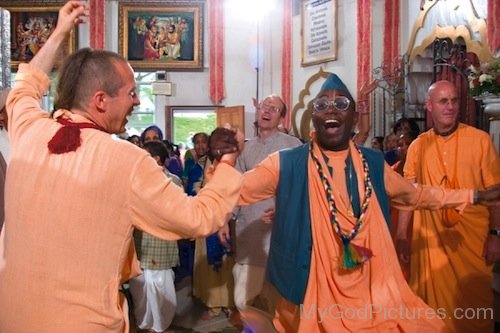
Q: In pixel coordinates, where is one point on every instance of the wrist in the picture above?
(494, 232)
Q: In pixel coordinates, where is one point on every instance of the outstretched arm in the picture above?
(69, 15)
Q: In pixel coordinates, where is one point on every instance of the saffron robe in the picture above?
(70, 217)
(447, 267)
(373, 297)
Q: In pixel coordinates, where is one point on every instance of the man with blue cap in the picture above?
(332, 259)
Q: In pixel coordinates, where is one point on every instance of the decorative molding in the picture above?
(301, 113)
(4, 48)
(475, 25)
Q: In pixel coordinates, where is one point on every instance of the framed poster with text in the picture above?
(319, 31)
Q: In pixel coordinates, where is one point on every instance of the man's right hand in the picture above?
(403, 249)
(224, 235)
(490, 196)
(73, 12)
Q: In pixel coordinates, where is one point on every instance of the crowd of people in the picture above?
(320, 235)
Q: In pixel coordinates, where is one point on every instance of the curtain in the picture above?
(286, 73)
(216, 49)
(364, 20)
(96, 23)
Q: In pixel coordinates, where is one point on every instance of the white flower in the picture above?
(485, 78)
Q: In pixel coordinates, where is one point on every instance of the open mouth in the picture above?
(332, 127)
(332, 123)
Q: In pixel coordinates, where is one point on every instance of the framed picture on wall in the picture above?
(162, 36)
(30, 26)
(319, 31)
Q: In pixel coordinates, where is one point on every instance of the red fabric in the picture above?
(96, 23)
(391, 36)
(286, 73)
(493, 25)
(67, 138)
(364, 20)
(216, 38)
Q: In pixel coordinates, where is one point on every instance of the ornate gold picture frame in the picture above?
(162, 36)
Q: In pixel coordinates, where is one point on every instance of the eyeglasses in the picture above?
(340, 103)
(271, 108)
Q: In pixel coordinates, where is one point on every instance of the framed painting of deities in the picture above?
(166, 36)
(319, 31)
(31, 24)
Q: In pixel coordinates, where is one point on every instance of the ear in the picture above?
(428, 106)
(99, 100)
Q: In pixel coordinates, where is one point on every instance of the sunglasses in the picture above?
(340, 103)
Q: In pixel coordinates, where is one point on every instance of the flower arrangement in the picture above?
(485, 79)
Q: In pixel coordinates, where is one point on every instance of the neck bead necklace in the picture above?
(353, 255)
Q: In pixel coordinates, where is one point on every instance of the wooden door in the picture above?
(233, 115)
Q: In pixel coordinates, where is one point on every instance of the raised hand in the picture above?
(73, 12)
(225, 141)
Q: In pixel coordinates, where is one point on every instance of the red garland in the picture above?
(67, 138)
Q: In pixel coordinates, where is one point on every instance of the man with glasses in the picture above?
(253, 298)
(331, 257)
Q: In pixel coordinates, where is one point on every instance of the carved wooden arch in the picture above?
(301, 113)
(463, 42)
(479, 47)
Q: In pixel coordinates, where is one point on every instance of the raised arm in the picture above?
(70, 14)
(363, 109)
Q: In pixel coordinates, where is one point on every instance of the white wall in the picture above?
(192, 88)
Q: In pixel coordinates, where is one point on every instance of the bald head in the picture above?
(438, 86)
(443, 106)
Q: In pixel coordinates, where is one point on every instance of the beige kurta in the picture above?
(70, 217)
(374, 297)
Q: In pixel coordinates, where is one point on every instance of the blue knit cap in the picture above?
(333, 82)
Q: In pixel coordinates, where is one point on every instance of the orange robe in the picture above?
(66, 243)
(447, 267)
(374, 297)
